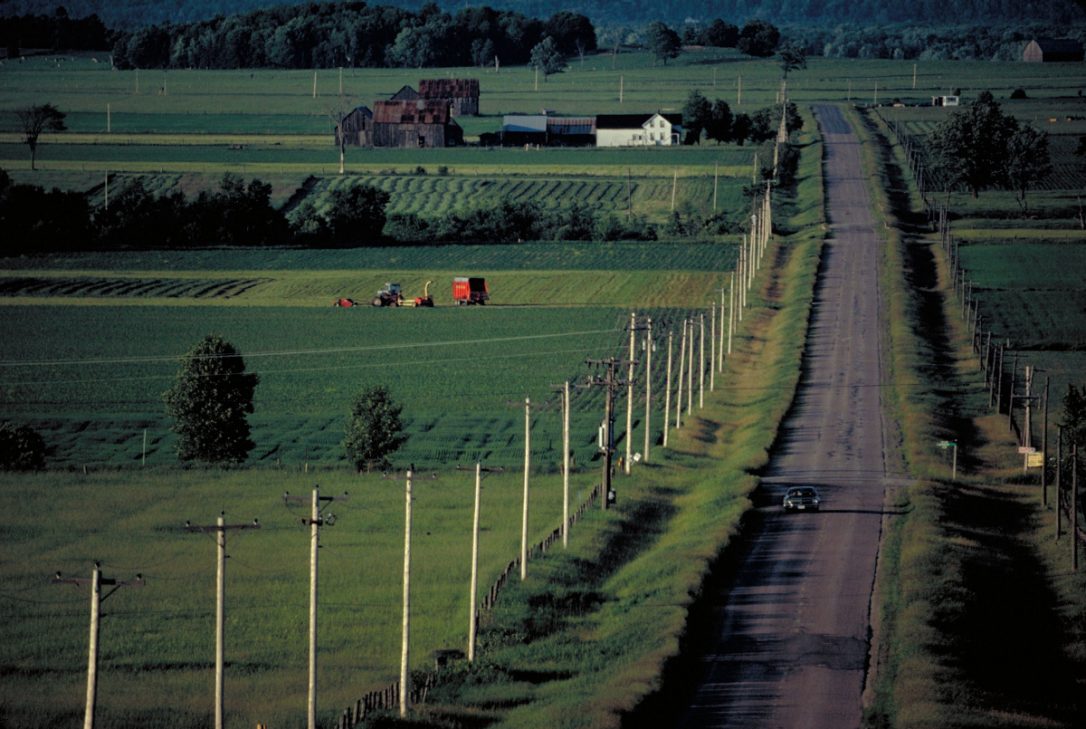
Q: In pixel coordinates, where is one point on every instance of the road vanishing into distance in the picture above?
(792, 645)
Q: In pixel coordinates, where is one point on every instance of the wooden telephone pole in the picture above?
(315, 521)
(97, 582)
(607, 439)
(219, 529)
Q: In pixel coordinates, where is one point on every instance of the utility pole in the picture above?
(690, 371)
(1059, 479)
(712, 348)
(701, 361)
(648, 385)
(219, 529)
(720, 347)
(731, 312)
(405, 638)
(629, 394)
(682, 364)
(524, 510)
(97, 582)
(1044, 450)
(1074, 507)
(607, 442)
(473, 611)
(667, 385)
(565, 464)
(315, 521)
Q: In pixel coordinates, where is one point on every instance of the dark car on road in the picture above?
(801, 498)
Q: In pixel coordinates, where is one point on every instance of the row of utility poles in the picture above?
(606, 375)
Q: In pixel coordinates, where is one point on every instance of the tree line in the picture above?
(352, 34)
(133, 14)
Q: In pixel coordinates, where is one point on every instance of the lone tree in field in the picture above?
(792, 58)
(374, 430)
(34, 120)
(547, 58)
(209, 402)
(970, 147)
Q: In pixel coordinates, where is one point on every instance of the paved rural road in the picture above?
(793, 640)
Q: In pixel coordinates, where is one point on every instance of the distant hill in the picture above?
(130, 14)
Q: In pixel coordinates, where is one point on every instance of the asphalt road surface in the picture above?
(793, 641)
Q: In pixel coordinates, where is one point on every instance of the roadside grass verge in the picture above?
(605, 632)
(961, 646)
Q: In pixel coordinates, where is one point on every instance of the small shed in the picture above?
(461, 93)
(946, 101)
(412, 124)
(1053, 50)
(357, 128)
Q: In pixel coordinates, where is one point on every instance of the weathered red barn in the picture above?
(411, 124)
(356, 128)
(462, 94)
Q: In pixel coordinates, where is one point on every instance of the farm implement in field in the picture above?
(470, 290)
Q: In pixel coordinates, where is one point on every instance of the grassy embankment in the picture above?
(981, 627)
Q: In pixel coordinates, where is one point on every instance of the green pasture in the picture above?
(157, 642)
(659, 256)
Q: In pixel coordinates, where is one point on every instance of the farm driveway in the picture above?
(793, 632)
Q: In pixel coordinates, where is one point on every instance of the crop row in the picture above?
(128, 287)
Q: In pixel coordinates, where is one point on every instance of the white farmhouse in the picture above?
(638, 130)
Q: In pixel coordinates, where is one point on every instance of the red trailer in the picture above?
(468, 291)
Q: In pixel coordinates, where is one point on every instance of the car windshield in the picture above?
(808, 492)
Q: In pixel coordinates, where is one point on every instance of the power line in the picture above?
(302, 352)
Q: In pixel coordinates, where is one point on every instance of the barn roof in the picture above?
(412, 112)
(406, 93)
(631, 121)
(571, 125)
(449, 88)
(1059, 45)
(362, 110)
(524, 123)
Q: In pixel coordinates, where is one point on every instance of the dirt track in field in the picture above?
(791, 646)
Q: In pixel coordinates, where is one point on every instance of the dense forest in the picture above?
(132, 14)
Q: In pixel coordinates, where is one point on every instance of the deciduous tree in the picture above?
(33, 120)
(759, 38)
(547, 58)
(374, 429)
(970, 147)
(210, 401)
(664, 42)
(1028, 160)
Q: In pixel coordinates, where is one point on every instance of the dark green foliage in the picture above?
(546, 57)
(21, 448)
(573, 33)
(55, 32)
(720, 34)
(697, 117)
(1028, 160)
(1074, 416)
(793, 57)
(720, 125)
(209, 402)
(34, 220)
(374, 430)
(662, 41)
(759, 38)
(971, 148)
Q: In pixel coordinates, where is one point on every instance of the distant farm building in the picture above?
(547, 130)
(462, 94)
(638, 130)
(413, 124)
(406, 93)
(356, 128)
(1052, 50)
(946, 101)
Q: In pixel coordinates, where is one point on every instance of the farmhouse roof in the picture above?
(362, 110)
(1059, 45)
(412, 112)
(631, 121)
(449, 88)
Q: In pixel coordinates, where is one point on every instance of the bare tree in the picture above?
(37, 119)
